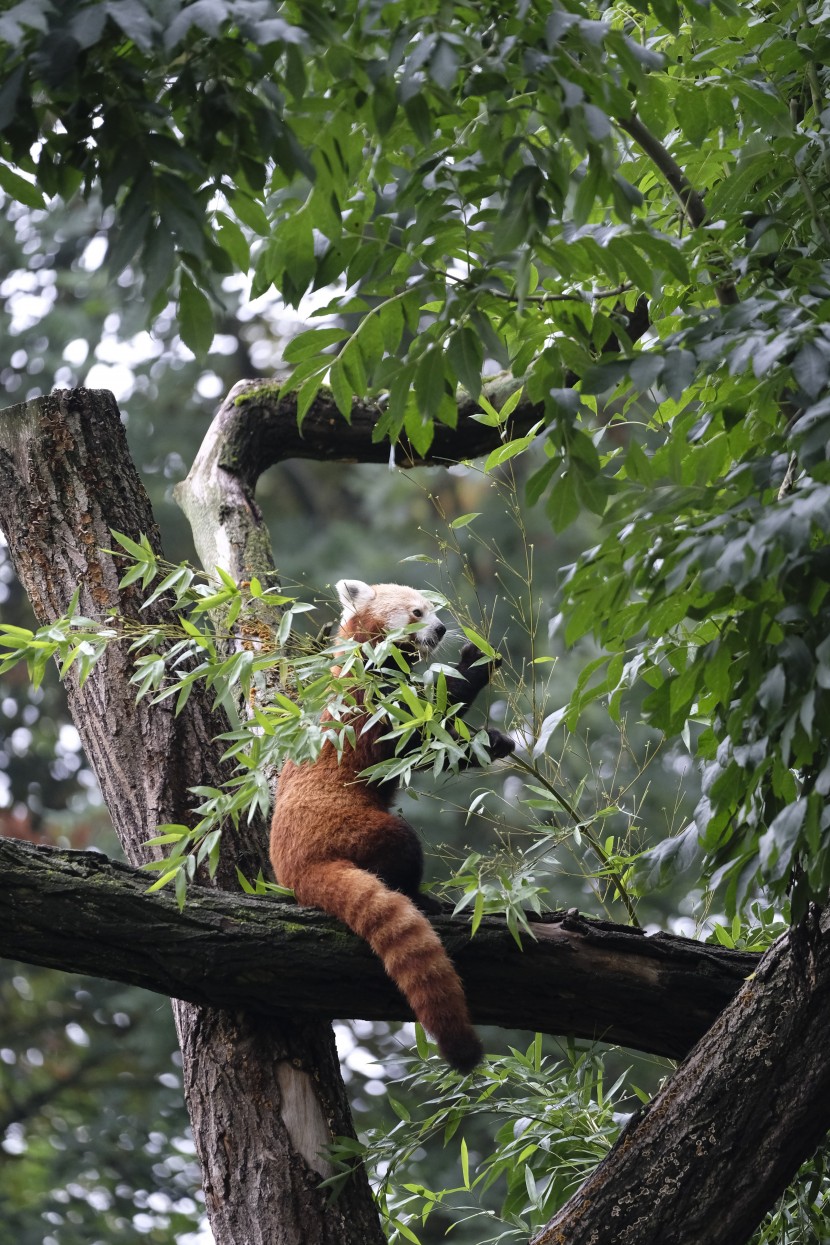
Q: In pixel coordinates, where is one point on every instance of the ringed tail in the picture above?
(408, 946)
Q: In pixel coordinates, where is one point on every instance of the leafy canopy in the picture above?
(625, 205)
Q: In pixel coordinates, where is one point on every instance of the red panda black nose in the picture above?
(440, 630)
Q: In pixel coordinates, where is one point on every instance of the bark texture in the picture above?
(588, 978)
(264, 1099)
(725, 1136)
(66, 479)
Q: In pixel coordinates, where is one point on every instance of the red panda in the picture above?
(335, 841)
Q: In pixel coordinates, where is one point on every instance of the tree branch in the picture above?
(588, 978)
(720, 1142)
(256, 427)
(690, 200)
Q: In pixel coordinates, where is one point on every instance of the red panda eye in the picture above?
(418, 613)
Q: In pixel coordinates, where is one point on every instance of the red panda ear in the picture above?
(354, 594)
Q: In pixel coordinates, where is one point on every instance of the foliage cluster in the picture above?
(485, 188)
(544, 1145)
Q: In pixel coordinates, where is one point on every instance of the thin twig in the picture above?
(789, 477)
(588, 833)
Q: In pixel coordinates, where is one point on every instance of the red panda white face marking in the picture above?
(386, 607)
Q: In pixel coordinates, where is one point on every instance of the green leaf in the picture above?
(244, 883)
(305, 397)
(586, 193)
(250, 213)
(195, 317)
(563, 505)
(312, 343)
(420, 118)
(479, 641)
(421, 1042)
(766, 108)
(295, 73)
(169, 834)
(692, 115)
(169, 876)
(509, 405)
(19, 188)
(443, 64)
(231, 238)
(510, 449)
(777, 846)
(341, 388)
(596, 122)
(538, 482)
(466, 355)
(465, 1164)
(419, 430)
(810, 368)
(135, 21)
(429, 382)
(636, 267)
(141, 551)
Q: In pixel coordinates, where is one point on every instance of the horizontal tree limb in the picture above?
(266, 431)
(588, 978)
(256, 428)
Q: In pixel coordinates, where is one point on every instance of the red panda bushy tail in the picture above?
(408, 946)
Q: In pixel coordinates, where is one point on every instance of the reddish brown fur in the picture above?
(335, 842)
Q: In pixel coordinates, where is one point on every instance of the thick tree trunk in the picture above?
(264, 1098)
(712, 1152)
(66, 479)
(587, 978)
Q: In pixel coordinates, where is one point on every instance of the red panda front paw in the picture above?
(470, 654)
(500, 745)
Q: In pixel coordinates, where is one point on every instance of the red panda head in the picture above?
(370, 611)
